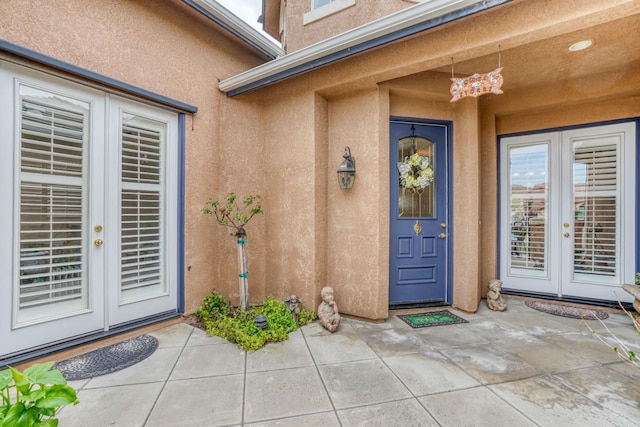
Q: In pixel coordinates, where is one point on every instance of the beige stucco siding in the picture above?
(172, 51)
(285, 141)
(357, 261)
(300, 35)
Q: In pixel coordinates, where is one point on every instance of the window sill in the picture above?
(329, 9)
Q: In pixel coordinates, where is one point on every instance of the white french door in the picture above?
(568, 212)
(89, 223)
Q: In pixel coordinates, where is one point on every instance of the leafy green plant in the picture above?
(239, 327)
(213, 305)
(236, 216)
(32, 397)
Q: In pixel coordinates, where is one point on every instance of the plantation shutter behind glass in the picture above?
(141, 201)
(529, 201)
(595, 198)
(53, 136)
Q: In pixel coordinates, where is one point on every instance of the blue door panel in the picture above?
(428, 247)
(419, 244)
(424, 274)
(405, 247)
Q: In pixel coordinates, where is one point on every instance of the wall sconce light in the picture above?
(347, 170)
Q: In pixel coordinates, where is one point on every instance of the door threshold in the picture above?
(73, 346)
(567, 299)
(419, 304)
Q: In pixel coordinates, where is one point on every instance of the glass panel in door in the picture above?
(416, 192)
(53, 152)
(141, 213)
(595, 204)
(528, 203)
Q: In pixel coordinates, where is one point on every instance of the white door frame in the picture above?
(553, 274)
(101, 308)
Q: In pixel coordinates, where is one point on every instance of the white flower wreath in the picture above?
(416, 172)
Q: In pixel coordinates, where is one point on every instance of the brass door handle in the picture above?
(442, 235)
(98, 242)
(566, 234)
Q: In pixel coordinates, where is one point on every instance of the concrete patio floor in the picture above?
(516, 368)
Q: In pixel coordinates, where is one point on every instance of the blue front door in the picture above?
(420, 224)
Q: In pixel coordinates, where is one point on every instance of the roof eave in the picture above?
(405, 23)
(237, 27)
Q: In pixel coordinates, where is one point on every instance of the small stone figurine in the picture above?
(494, 299)
(328, 310)
(293, 304)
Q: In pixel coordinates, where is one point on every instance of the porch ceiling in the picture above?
(615, 51)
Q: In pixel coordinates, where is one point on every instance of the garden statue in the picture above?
(328, 310)
(293, 304)
(494, 299)
(235, 217)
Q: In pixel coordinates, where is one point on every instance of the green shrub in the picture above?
(213, 305)
(238, 326)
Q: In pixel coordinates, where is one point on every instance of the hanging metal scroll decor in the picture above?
(476, 84)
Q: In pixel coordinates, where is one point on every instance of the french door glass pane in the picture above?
(595, 189)
(528, 201)
(53, 137)
(141, 200)
(416, 177)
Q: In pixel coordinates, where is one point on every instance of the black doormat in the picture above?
(108, 359)
(566, 310)
(434, 318)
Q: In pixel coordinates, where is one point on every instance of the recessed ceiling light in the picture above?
(581, 45)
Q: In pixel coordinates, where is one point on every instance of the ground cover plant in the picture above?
(238, 326)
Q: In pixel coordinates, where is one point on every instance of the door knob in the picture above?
(442, 235)
(98, 242)
(566, 234)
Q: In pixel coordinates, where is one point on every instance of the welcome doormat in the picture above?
(434, 318)
(108, 359)
(566, 310)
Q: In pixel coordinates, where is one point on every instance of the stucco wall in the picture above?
(358, 239)
(285, 141)
(300, 35)
(170, 50)
(294, 139)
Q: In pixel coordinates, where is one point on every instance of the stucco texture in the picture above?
(175, 52)
(285, 141)
(300, 35)
(355, 98)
